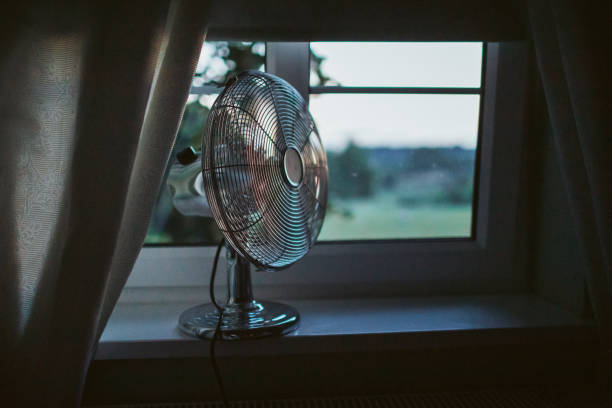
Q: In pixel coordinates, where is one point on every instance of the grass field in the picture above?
(382, 217)
(378, 217)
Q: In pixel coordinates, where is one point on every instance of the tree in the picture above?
(353, 175)
(234, 57)
(167, 224)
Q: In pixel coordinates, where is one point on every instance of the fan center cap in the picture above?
(294, 167)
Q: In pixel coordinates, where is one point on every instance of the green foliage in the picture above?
(460, 192)
(454, 159)
(351, 172)
(316, 63)
(456, 167)
(418, 176)
(237, 57)
(167, 224)
(192, 126)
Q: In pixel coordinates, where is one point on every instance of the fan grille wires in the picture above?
(267, 219)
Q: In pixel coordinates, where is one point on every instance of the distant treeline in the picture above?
(441, 175)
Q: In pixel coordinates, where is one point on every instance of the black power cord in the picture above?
(220, 310)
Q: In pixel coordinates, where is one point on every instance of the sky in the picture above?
(392, 120)
(396, 120)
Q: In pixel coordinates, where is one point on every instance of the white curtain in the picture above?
(573, 55)
(92, 95)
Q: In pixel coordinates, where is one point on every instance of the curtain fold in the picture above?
(176, 67)
(573, 57)
(92, 96)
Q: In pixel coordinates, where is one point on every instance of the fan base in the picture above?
(240, 321)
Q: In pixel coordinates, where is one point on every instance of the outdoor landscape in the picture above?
(375, 192)
(399, 193)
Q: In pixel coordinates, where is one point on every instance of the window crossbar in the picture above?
(395, 90)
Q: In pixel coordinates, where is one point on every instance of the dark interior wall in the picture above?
(366, 20)
(334, 374)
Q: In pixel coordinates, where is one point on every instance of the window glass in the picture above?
(218, 62)
(396, 64)
(400, 165)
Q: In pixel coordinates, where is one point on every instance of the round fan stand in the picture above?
(243, 316)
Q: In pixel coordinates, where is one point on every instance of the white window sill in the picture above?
(149, 331)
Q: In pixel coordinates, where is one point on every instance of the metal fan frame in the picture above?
(243, 316)
(212, 188)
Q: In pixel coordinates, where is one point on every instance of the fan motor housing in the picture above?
(293, 165)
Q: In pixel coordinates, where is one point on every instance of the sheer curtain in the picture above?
(92, 96)
(573, 50)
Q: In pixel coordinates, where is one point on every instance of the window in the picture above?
(396, 64)
(401, 160)
(465, 129)
(400, 125)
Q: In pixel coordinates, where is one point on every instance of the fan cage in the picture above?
(266, 218)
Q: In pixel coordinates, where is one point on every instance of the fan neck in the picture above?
(238, 279)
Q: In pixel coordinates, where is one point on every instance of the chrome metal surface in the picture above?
(239, 288)
(243, 316)
(244, 321)
(294, 167)
(187, 190)
(265, 170)
(265, 178)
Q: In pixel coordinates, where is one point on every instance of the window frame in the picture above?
(291, 68)
(489, 261)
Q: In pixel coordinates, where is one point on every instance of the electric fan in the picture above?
(264, 177)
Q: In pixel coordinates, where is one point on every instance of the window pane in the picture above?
(401, 165)
(396, 64)
(218, 61)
